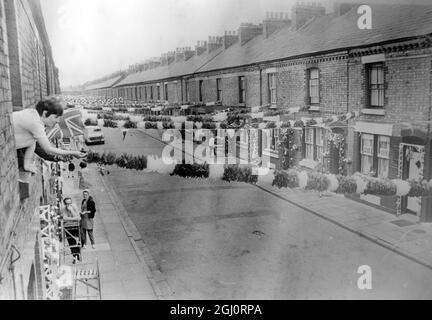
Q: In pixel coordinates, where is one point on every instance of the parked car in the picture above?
(93, 134)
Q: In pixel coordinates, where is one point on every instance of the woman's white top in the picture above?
(28, 127)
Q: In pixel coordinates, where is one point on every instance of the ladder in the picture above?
(87, 282)
(71, 237)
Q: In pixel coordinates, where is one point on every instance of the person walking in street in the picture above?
(71, 224)
(88, 210)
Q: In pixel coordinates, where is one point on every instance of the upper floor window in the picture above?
(376, 85)
(314, 93)
(272, 87)
(219, 89)
(200, 89)
(242, 90)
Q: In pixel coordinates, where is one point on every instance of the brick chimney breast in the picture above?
(302, 13)
(214, 43)
(229, 38)
(248, 31)
(201, 47)
(340, 8)
(275, 21)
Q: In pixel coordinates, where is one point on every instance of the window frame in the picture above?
(187, 90)
(166, 91)
(219, 89)
(320, 147)
(314, 83)
(309, 143)
(366, 154)
(272, 88)
(242, 89)
(383, 158)
(200, 90)
(378, 87)
(274, 138)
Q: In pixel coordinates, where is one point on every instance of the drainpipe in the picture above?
(260, 87)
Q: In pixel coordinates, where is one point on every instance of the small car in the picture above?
(93, 135)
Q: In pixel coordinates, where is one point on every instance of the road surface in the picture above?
(215, 240)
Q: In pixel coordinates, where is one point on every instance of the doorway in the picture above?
(413, 157)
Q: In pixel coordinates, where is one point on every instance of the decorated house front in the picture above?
(393, 151)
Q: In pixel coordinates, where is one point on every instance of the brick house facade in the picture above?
(27, 74)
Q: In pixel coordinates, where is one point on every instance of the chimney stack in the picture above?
(303, 12)
(340, 8)
(214, 43)
(275, 21)
(168, 58)
(183, 54)
(152, 63)
(229, 38)
(248, 31)
(201, 47)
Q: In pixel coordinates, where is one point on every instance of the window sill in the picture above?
(314, 108)
(271, 153)
(372, 111)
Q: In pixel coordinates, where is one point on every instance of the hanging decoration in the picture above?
(355, 184)
(338, 142)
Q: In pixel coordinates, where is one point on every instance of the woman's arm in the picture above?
(48, 148)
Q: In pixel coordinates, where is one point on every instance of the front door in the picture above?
(415, 163)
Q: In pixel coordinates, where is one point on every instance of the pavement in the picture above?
(400, 234)
(124, 275)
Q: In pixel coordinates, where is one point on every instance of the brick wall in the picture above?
(19, 223)
(173, 92)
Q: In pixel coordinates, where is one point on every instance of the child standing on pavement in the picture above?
(88, 210)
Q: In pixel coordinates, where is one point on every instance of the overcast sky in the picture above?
(93, 38)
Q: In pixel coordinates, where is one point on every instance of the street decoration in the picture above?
(355, 184)
(313, 181)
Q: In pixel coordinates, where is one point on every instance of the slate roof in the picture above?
(172, 70)
(326, 33)
(321, 34)
(105, 84)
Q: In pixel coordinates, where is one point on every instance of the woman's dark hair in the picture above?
(51, 106)
(64, 200)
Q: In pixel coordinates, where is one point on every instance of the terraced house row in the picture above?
(325, 65)
(27, 74)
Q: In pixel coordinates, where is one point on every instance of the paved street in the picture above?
(214, 240)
